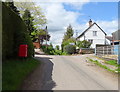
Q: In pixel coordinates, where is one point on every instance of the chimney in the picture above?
(90, 22)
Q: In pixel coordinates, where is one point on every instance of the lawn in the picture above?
(14, 72)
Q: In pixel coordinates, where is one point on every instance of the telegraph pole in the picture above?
(46, 37)
(76, 35)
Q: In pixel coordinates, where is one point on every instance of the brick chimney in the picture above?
(90, 22)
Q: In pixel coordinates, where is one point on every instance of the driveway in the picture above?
(69, 73)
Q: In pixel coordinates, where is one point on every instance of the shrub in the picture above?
(68, 41)
(70, 49)
(49, 50)
(83, 44)
(63, 53)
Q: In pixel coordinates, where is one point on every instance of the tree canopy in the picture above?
(69, 33)
(28, 19)
(37, 13)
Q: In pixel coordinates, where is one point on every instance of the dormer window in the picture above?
(94, 33)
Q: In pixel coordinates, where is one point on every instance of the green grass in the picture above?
(103, 66)
(112, 62)
(15, 71)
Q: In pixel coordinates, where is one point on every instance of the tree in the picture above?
(69, 33)
(38, 20)
(43, 35)
(68, 37)
(10, 4)
(57, 47)
(28, 19)
(37, 13)
(69, 41)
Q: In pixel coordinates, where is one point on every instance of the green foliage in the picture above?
(83, 44)
(67, 42)
(68, 37)
(15, 71)
(51, 51)
(14, 33)
(101, 65)
(112, 62)
(57, 47)
(34, 21)
(43, 35)
(34, 33)
(28, 19)
(37, 12)
(70, 49)
(69, 33)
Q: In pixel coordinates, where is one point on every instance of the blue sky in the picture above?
(60, 14)
(96, 10)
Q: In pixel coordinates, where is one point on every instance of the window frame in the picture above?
(90, 40)
(94, 33)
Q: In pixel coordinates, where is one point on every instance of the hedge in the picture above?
(70, 49)
(14, 33)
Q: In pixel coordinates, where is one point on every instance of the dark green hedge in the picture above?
(14, 33)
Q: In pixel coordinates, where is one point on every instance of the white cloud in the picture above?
(108, 26)
(58, 19)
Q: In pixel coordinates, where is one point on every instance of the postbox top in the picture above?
(23, 45)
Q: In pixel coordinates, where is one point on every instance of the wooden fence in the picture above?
(107, 51)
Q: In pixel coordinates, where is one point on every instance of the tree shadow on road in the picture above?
(41, 78)
(48, 82)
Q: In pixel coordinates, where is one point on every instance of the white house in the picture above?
(94, 34)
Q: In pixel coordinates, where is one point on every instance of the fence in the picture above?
(108, 52)
(86, 51)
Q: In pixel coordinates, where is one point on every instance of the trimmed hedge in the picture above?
(14, 33)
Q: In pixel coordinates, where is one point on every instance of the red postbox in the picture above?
(23, 49)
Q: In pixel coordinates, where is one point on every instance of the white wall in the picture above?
(99, 39)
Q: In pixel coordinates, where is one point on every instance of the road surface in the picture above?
(69, 73)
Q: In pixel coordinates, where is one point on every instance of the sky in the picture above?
(60, 14)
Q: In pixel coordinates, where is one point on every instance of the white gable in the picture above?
(98, 39)
(89, 33)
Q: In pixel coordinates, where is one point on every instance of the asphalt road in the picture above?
(69, 73)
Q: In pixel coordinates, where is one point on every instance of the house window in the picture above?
(90, 40)
(94, 33)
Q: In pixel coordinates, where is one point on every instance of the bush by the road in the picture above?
(51, 51)
(70, 49)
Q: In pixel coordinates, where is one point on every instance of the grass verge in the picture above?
(112, 62)
(14, 72)
(103, 66)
